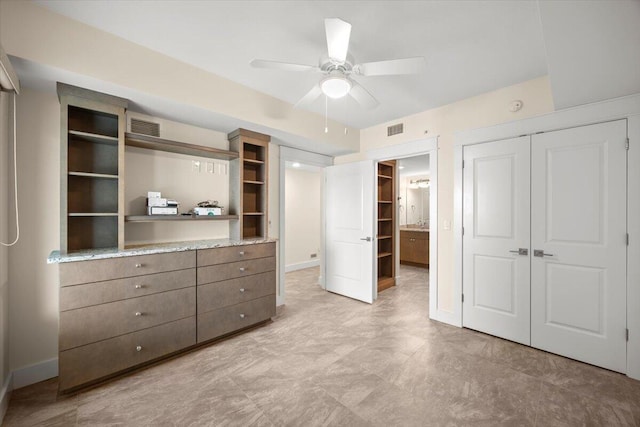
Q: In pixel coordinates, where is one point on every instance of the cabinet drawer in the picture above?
(229, 292)
(217, 273)
(78, 296)
(99, 322)
(235, 253)
(90, 362)
(75, 273)
(418, 235)
(228, 319)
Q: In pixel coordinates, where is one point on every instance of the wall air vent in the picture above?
(144, 127)
(395, 129)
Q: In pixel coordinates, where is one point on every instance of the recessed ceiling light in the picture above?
(296, 165)
(400, 167)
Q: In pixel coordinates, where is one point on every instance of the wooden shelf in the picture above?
(94, 137)
(160, 144)
(384, 237)
(93, 175)
(253, 213)
(93, 214)
(154, 218)
(385, 176)
(254, 162)
(385, 201)
(384, 254)
(253, 182)
(385, 219)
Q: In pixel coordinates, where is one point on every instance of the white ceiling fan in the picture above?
(338, 67)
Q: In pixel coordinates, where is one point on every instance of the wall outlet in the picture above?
(195, 166)
(446, 224)
(222, 169)
(210, 167)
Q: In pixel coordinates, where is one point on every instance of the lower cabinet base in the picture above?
(414, 264)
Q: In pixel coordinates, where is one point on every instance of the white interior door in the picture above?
(579, 223)
(349, 246)
(496, 221)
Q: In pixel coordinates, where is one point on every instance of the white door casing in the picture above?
(579, 222)
(349, 208)
(496, 221)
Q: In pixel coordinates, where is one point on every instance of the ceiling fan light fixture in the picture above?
(335, 87)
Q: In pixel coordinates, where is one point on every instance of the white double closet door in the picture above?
(545, 241)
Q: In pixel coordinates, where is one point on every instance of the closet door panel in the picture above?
(579, 230)
(496, 209)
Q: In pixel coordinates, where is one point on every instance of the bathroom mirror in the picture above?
(413, 192)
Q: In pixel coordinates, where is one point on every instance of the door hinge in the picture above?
(463, 231)
(627, 334)
(626, 144)
(627, 239)
(463, 164)
(462, 297)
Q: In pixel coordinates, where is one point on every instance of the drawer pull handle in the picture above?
(139, 286)
(241, 268)
(242, 315)
(138, 313)
(138, 348)
(138, 265)
(241, 289)
(241, 253)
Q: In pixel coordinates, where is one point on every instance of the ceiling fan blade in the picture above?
(362, 96)
(285, 66)
(311, 96)
(391, 67)
(338, 34)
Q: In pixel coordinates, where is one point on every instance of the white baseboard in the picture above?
(302, 265)
(5, 395)
(35, 373)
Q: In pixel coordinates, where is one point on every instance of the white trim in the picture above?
(633, 251)
(307, 158)
(627, 107)
(302, 265)
(410, 149)
(35, 373)
(5, 396)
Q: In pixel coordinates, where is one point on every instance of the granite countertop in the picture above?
(411, 228)
(56, 257)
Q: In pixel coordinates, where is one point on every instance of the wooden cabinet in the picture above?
(414, 248)
(238, 294)
(249, 195)
(386, 224)
(92, 129)
(119, 313)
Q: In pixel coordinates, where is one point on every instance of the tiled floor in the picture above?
(329, 360)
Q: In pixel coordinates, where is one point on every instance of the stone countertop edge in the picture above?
(422, 230)
(56, 257)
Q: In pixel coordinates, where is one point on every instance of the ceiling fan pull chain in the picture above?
(326, 112)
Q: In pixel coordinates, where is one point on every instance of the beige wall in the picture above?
(33, 312)
(480, 111)
(5, 236)
(302, 216)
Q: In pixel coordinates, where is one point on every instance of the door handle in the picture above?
(540, 253)
(368, 239)
(520, 251)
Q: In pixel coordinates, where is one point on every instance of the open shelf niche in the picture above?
(249, 195)
(92, 163)
(386, 238)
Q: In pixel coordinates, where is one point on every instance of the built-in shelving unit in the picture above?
(386, 224)
(160, 144)
(92, 162)
(249, 196)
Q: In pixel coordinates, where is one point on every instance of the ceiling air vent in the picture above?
(145, 128)
(395, 129)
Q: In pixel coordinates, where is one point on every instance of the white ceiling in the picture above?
(411, 166)
(470, 47)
